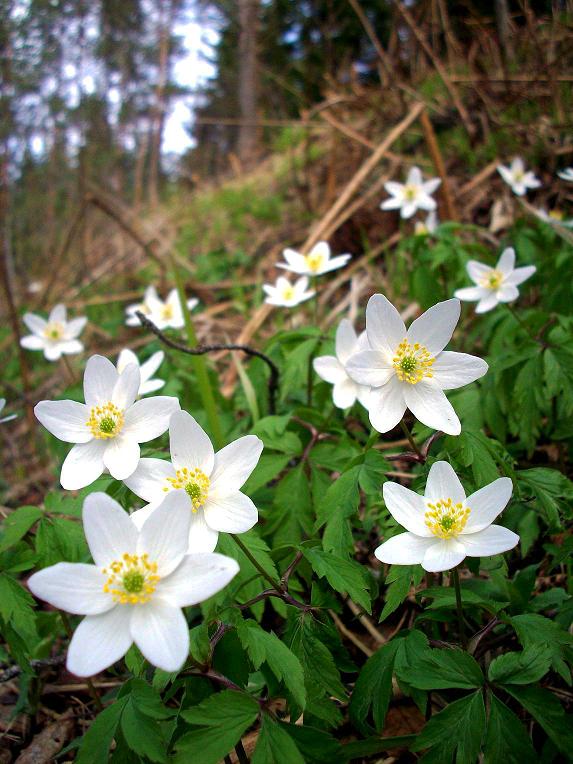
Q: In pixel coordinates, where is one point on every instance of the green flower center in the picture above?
(193, 490)
(107, 425)
(133, 581)
(445, 519)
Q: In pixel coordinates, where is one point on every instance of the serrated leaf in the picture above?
(95, 744)
(275, 745)
(399, 579)
(17, 524)
(547, 712)
(443, 669)
(373, 689)
(520, 668)
(459, 729)
(506, 740)
(345, 576)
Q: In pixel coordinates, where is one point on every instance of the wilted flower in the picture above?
(566, 174)
(147, 369)
(411, 369)
(517, 177)
(443, 526)
(332, 368)
(56, 336)
(205, 483)
(494, 285)
(317, 262)
(8, 418)
(286, 295)
(415, 194)
(108, 428)
(135, 590)
(428, 226)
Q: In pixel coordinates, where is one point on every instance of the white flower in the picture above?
(428, 226)
(554, 217)
(204, 482)
(8, 418)
(494, 285)
(149, 298)
(332, 368)
(287, 295)
(317, 262)
(147, 369)
(566, 174)
(136, 589)
(443, 526)
(415, 194)
(54, 336)
(35, 287)
(517, 177)
(166, 314)
(108, 428)
(410, 369)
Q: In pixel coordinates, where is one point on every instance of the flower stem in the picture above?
(90, 684)
(255, 562)
(459, 608)
(411, 440)
(521, 323)
(199, 364)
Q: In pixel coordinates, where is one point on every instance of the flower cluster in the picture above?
(165, 314)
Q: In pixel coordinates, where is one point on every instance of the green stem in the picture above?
(90, 684)
(459, 608)
(411, 440)
(521, 323)
(256, 563)
(199, 364)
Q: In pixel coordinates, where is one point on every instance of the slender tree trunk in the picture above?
(248, 75)
(160, 105)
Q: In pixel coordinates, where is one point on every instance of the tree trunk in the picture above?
(160, 105)
(248, 23)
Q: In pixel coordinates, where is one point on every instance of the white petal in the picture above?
(346, 340)
(393, 203)
(161, 633)
(127, 386)
(443, 483)
(429, 404)
(149, 367)
(64, 419)
(370, 367)
(505, 173)
(36, 324)
(452, 370)
(396, 189)
(425, 202)
(151, 386)
(33, 342)
(403, 549)
(487, 503)
(295, 260)
(189, 443)
(432, 185)
(199, 577)
(487, 303)
(329, 368)
(362, 342)
(494, 539)
(444, 554)
(52, 351)
(520, 275)
(386, 405)
(384, 326)
(334, 264)
(408, 209)
(149, 418)
(109, 531)
(322, 249)
(121, 456)
(75, 327)
(344, 393)
(126, 357)
(58, 314)
(506, 262)
(507, 293)
(406, 507)
(139, 516)
(233, 513)
(100, 641)
(202, 538)
(471, 294)
(73, 587)
(415, 177)
(478, 271)
(164, 535)
(363, 395)
(100, 377)
(435, 327)
(149, 479)
(82, 465)
(234, 464)
(71, 347)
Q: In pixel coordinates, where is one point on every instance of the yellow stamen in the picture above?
(167, 312)
(492, 280)
(195, 484)
(131, 580)
(106, 421)
(54, 331)
(446, 519)
(314, 262)
(412, 362)
(288, 293)
(410, 193)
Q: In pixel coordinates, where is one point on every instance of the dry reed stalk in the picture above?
(438, 160)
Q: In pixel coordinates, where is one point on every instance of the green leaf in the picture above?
(551, 489)
(199, 645)
(16, 611)
(520, 668)
(265, 646)
(399, 579)
(142, 733)
(459, 729)
(442, 669)
(95, 744)
(316, 745)
(59, 540)
(547, 712)
(268, 467)
(17, 524)
(345, 576)
(341, 498)
(223, 719)
(506, 740)
(292, 517)
(373, 689)
(273, 432)
(535, 631)
(275, 745)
